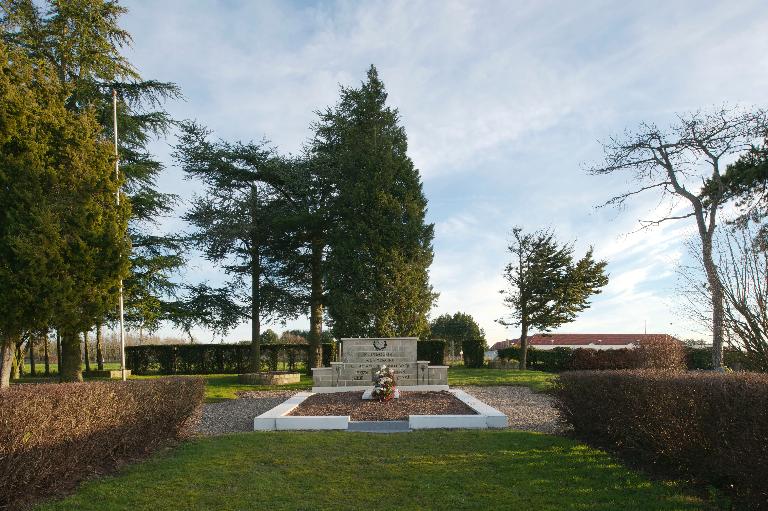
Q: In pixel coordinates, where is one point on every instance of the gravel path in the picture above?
(236, 415)
(526, 409)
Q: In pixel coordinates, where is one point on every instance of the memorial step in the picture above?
(378, 426)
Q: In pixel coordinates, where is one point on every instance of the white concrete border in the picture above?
(409, 388)
(278, 419)
(493, 417)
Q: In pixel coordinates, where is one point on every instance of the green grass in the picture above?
(456, 470)
(220, 387)
(535, 380)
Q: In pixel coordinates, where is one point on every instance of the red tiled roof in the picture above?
(581, 340)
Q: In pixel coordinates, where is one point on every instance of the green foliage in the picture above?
(547, 288)
(432, 350)
(213, 358)
(457, 470)
(380, 247)
(82, 43)
(707, 427)
(63, 239)
(456, 329)
(551, 361)
(238, 223)
(270, 337)
(473, 352)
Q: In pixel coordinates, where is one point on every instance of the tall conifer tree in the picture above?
(380, 246)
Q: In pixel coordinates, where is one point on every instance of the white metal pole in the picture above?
(117, 175)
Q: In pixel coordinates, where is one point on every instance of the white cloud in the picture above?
(501, 102)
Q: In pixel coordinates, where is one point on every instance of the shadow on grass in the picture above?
(419, 470)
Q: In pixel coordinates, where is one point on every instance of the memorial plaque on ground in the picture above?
(361, 357)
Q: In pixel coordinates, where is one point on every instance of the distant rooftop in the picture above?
(582, 340)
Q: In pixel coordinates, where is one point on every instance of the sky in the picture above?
(505, 104)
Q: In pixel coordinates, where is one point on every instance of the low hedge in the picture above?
(216, 358)
(656, 354)
(705, 426)
(432, 350)
(52, 436)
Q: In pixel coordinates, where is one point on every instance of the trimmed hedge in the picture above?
(432, 350)
(656, 354)
(473, 352)
(701, 359)
(708, 427)
(52, 436)
(216, 358)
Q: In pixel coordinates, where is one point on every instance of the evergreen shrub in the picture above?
(473, 352)
(216, 358)
(432, 350)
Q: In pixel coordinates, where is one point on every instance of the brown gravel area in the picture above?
(526, 410)
(358, 409)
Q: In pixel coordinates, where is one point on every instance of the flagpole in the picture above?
(117, 175)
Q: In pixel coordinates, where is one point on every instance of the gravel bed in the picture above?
(527, 410)
(409, 403)
(236, 415)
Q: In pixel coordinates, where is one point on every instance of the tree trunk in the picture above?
(17, 370)
(58, 351)
(86, 356)
(255, 314)
(315, 355)
(46, 354)
(523, 345)
(99, 349)
(7, 346)
(32, 366)
(70, 365)
(716, 290)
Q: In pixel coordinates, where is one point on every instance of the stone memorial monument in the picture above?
(361, 357)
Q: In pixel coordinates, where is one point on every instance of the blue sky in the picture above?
(503, 102)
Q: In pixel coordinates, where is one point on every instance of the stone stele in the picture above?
(361, 357)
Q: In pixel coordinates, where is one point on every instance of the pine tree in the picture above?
(380, 247)
(82, 41)
(62, 236)
(546, 287)
(238, 224)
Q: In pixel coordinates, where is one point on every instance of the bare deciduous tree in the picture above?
(677, 162)
(742, 264)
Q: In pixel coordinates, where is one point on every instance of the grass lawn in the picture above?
(343, 471)
(535, 380)
(220, 387)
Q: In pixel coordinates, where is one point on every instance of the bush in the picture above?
(432, 350)
(701, 359)
(473, 352)
(216, 358)
(709, 427)
(655, 354)
(53, 436)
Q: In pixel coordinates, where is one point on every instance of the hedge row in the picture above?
(657, 354)
(473, 352)
(216, 358)
(701, 359)
(709, 427)
(432, 350)
(52, 436)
